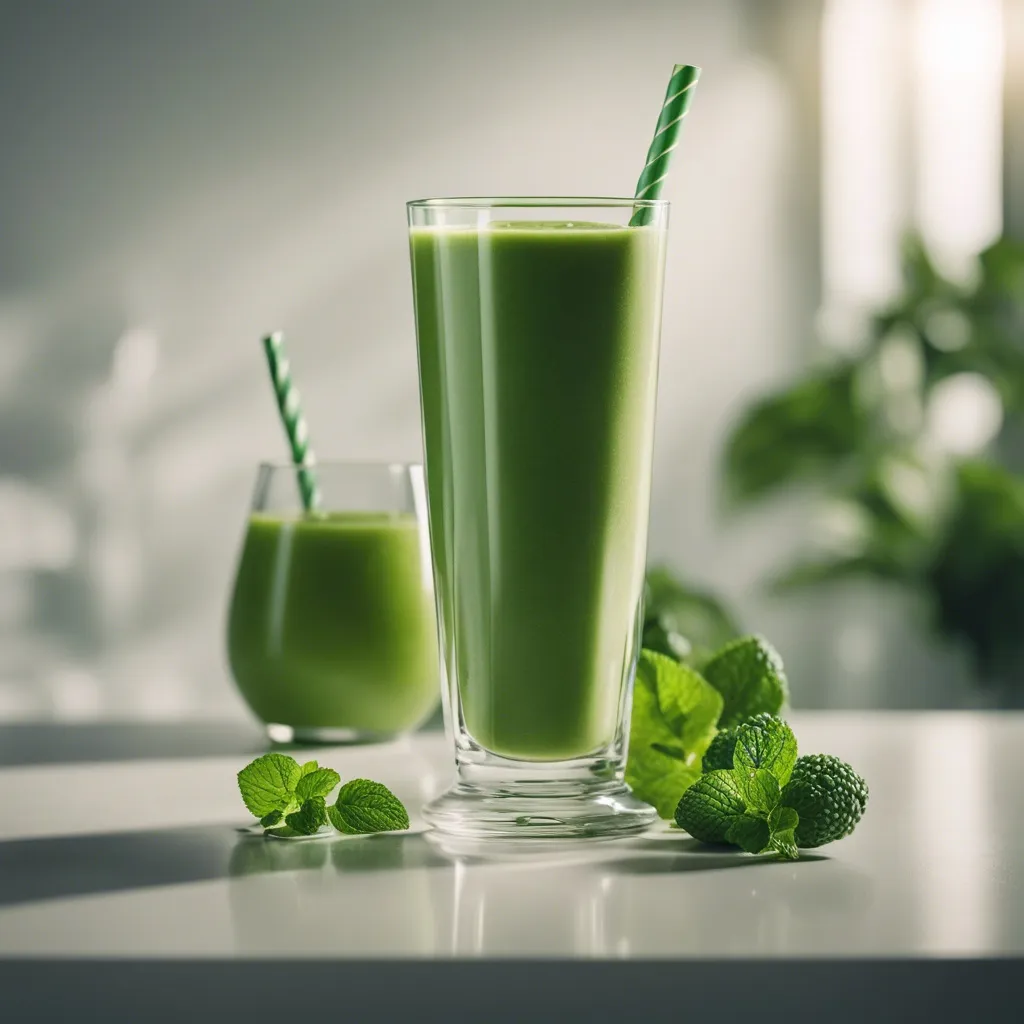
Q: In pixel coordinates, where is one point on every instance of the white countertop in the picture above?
(143, 858)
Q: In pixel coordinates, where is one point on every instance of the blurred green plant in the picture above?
(684, 622)
(908, 445)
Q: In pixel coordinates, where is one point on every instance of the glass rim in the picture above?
(540, 202)
(386, 464)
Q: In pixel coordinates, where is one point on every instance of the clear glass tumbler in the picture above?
(538, 326)
(332, 634)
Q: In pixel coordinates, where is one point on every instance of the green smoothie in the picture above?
(538, 348)
(331, 625)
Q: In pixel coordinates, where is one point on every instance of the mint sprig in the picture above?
(364, 806)
(678, 712)
(782, 823)
(317, 783)
(710, 807)
(763, 760)
(750, 833)
(268, 784)
(739, 806)
(748, 673)
(290, 799)
(759, 789)
(709, 749)
(770, 800)
(309, 818)
(767, 742)
(674, 716)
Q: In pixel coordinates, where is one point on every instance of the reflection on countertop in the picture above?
(154, 858)
(419, 894)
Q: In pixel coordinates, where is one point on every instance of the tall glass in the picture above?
(331, 632)
(538, 326)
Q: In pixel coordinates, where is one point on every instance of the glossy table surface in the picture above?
(129, 843)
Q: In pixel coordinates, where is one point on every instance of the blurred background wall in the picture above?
(177, 178)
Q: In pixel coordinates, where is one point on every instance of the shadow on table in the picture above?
(32, 870)
(681, 854)
(80, 743)
(62, 866)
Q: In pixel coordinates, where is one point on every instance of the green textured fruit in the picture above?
(829, 796)
(709, 807)
(719, 753)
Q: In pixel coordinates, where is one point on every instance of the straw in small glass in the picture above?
(289, 407)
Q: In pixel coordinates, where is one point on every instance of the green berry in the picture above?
(719, 753)
(829, 796)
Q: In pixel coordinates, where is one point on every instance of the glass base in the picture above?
(327, 736)
(580, 810)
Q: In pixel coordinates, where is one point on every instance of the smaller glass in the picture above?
(332, 635)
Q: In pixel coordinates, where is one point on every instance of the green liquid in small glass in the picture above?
(331, 624)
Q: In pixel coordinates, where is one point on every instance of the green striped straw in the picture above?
(288, 405)
(666, 138)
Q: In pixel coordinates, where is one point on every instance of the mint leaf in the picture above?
(309, 817)
(363, 807)
(673, 721)
(710, 807)
(782, 823)
(713, 810)
(784, 844)
(783, 819)
(689, 706)
(748, 674)
(766, 742)
(758, 788)
(309, 766)
(268, 783)
(317, 782)
(750, 833)
(655, 776)
(271, 819)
